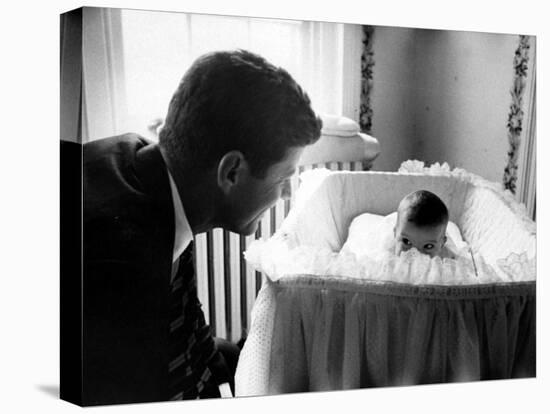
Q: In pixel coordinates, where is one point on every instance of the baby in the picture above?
(421, 223)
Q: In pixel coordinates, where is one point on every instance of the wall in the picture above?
(464, 82)
(392, 95)
(443, 96)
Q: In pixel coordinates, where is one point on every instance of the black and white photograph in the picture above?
(262, 206)
(311, 206)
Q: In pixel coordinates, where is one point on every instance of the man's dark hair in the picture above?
(236, 100)
(423, 208)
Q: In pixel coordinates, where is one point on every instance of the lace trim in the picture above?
(518, 264)
(280, 257)
(283, 256)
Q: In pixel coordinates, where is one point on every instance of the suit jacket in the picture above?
(128, 234)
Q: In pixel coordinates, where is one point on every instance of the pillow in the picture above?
(339, 126)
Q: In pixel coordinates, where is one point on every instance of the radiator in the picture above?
(227, 286)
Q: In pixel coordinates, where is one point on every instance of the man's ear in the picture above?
(444, 240)
(231, 170)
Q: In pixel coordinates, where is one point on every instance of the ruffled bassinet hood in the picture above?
(500, 246)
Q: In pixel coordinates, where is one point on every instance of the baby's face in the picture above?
(426, 239)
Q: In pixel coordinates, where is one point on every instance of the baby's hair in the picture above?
(423, 208)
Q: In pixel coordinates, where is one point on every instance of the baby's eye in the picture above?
(406, 241)
(429, 246)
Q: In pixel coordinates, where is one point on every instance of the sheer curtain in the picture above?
(134, 59)
(526, 192)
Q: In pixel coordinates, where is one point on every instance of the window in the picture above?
(134, 59)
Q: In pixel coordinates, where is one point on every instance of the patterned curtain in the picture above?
(515, 116)
(367, 63)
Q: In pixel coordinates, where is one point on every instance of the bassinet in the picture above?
(327, 321)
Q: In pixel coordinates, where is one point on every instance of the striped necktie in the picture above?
(191, 345)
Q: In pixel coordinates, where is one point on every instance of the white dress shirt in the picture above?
(182, 234)
(182, 237)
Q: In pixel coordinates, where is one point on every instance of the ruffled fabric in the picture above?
(278, 258)
(335, 334)
(501, 241)
(518, 267)
(329, 319)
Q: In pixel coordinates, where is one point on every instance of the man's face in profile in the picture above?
(254, 196)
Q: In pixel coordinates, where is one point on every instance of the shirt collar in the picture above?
(183, 234)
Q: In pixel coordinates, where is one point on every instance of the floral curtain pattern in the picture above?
(515, 116)
(367, 63)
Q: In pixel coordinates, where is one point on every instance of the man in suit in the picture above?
(234, 132)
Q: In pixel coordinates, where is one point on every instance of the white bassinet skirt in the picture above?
(327, 320)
